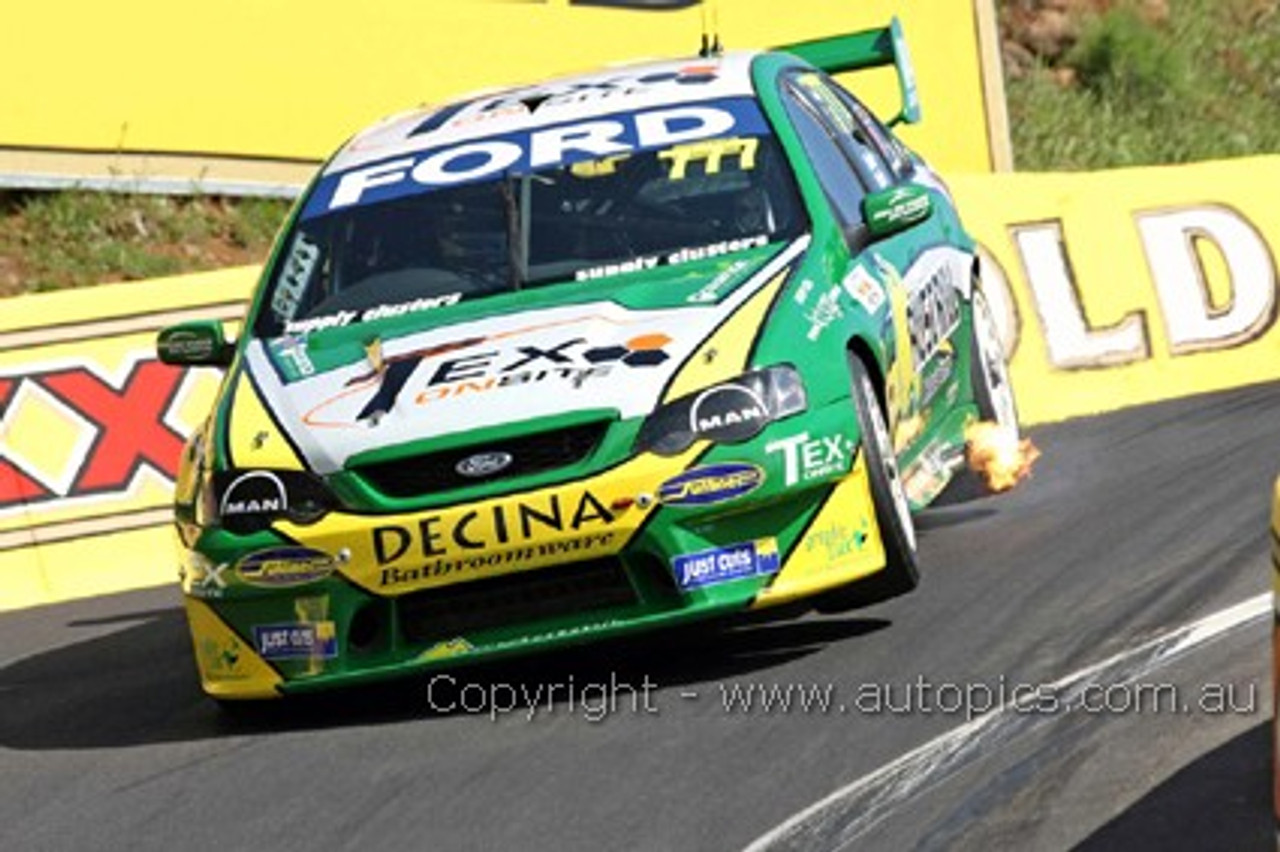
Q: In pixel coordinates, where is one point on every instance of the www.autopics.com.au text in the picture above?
(596, 700)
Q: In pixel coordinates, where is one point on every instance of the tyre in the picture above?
(988, 367)
(901, 573)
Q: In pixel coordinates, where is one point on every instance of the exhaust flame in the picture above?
(997, 455)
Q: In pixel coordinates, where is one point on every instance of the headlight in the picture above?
(728, 413)
(246, 501)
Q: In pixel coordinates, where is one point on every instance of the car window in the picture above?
(850, 133)
(840, 181)
(392, 245)
(891, 149)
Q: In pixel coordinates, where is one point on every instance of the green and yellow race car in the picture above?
(601, 355)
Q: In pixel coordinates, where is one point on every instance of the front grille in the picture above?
(430, 473)
(534, 595)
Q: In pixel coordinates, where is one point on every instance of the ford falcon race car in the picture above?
(601, 355)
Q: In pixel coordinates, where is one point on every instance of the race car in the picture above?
(668, 342)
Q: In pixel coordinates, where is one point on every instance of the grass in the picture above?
(1205, 84)
(56, 240)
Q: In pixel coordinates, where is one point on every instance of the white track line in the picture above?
(857, 807)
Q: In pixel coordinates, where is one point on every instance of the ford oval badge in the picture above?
(483, 464)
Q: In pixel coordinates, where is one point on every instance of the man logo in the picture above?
(728, 414)
(483, 464)
(258, 492)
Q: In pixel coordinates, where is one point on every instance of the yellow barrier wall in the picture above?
(1115, 288)
(91, 425)
(146, 89)
(1135, 285)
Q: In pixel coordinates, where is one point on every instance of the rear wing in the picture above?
(866, 49)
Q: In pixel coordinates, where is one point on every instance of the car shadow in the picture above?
(950, 516)
(138, 685)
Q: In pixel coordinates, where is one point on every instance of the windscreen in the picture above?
(550, 206)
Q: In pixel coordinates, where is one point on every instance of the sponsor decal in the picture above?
(864, 290)
(344, 318)
(728, 414)
(499, 562)
(901, 387)
(399, 309)
(724, 564)
(933, 313)
(252, 499)
(206, 578)
(675, 258)
(688, 255)
(296, 640)
(570, 93)
(574, 361)
(608, 270)
(109, 430)
(220, 660)
(711, 153)
(837, 540)
(373, 354)
(283, 567)
(557, 634)
(455, 647)
(467, 542)
(484, 464)
(340, 319)
(292, 287)
(710, 484)
(806, 459)
(905, 204)
(930, 473)
(293, 351)
(710, 291)
(925, 313)
(530, 149)
(937, 376)
(824, 312)
(380, 403)
(188, 344)
(571, 361)
(258, 492)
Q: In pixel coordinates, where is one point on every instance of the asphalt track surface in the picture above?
(1135, 524)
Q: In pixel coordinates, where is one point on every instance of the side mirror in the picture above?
(893, 210)
(200, 343)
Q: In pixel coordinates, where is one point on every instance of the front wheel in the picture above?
(901, 573)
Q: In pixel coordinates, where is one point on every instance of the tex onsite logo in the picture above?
(574, 360)
(71, 432)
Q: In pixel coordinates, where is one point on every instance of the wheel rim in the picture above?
(995, 372)
(889, 461)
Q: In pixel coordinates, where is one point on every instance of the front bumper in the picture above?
(356, 598)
